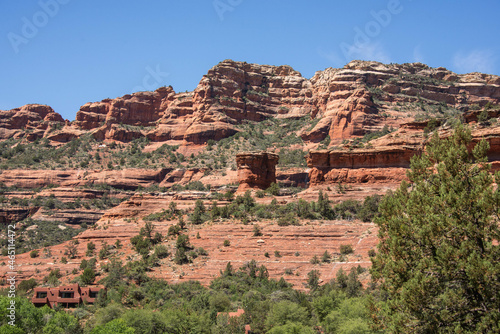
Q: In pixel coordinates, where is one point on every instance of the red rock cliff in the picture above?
(359, 166)
(348, 102)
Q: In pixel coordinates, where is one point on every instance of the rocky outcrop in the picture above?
(256, 170)
(348, 102)
(360, 165)
(32, 120)
(127, 179)
(11, 215)
(138, 109)
(72, 217)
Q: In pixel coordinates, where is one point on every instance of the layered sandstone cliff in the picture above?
(348, 102)
(33, 120)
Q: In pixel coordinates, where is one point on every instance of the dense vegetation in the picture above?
(153, 306)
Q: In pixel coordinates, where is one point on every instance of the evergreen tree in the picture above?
(323, 206)
(439, 243)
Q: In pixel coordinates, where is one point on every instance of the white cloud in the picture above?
(474, 61)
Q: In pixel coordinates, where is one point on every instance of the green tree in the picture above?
(323, 206)
(90, 249)
(88, 276)
(286, 311)
(62, 323)
(141, 245)
(291, 328)
(438, 254)
(198, 216)
(350, 316)
(483, 117)
(117, 326)
(313, 279)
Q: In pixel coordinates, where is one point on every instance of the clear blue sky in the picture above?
(82, 51)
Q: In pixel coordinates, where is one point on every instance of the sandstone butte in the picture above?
(347, 103)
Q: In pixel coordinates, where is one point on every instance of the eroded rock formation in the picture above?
(128, 179)
(256, 170)
(33, 120)
(351, 101)
(359, 166)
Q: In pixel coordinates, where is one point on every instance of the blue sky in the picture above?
(65, 53)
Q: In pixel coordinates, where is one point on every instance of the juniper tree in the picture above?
(438, 254)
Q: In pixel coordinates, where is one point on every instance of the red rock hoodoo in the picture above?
(256, 169)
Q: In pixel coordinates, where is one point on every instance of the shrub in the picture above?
(201, 251)
(273, 189)
(174, 230)
(198, 216)
(161, 251)
(256, 231)
(315, 260)
(347, 209)
(34, 253)
(346, 249)
(483, 117)
(227, 243)
(180, 256)
(288, 219)
(27, 285)
(326, 257)
(90, 249)
(260, 194)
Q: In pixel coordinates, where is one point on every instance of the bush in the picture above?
(34, 253)
(347, 209)
(27, 285)
(483, 117)
(273, 189)
(326, 257)
(346, 249)
(227, 243)
(256, 231)
(174, 230)
(90, 249)
(288, 219)
(161, 251)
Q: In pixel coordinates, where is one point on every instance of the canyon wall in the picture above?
(348, 102)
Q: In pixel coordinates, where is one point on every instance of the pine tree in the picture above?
(439, 243)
